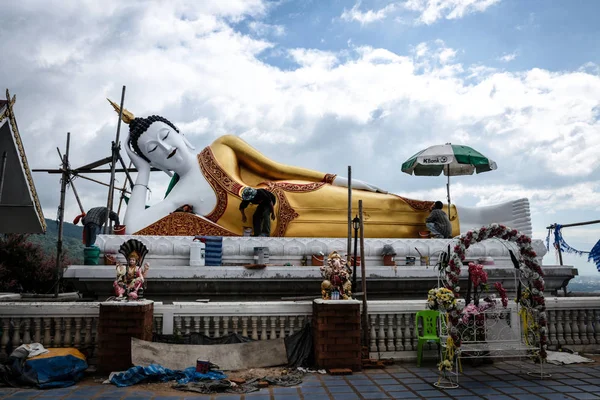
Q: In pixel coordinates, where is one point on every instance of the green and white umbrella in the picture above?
(449, 159)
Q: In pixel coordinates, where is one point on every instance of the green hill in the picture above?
(72, 244)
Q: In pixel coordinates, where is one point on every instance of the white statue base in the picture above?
(172, 278)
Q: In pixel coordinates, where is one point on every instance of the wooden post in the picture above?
(2, 171)
(113, 166)
(349, 212)
(363, 275)
(61, 215)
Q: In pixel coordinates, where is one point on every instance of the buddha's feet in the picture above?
(514, 214)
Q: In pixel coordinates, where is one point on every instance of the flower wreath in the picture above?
(529, 266)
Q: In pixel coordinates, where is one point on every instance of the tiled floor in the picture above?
(502, 380)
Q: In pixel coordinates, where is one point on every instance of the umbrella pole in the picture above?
(448, 190)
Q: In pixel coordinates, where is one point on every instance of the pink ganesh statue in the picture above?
(337, 284)
(130, 279)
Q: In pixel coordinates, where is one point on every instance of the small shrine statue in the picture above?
(337, 284)
(130, 280)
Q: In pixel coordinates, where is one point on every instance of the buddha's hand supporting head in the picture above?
(139, 163)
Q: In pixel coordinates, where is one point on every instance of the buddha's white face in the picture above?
(164, 147)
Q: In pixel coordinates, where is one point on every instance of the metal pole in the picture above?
(76, 194)
(123, 192)
(126, 170)
(349, 210)
(354, 259)
(2, 170)
(101, 183)
(115, 149)
(448, 189)
(61, 215)
(560, 260)
(90, 171)
(576, 224)
(363, 273)
(72, 185)
(553, 226)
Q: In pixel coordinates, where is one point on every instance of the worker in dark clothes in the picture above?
(266, 208)
(438, 222)
(93, 221)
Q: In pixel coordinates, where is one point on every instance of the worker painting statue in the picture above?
(308, 203)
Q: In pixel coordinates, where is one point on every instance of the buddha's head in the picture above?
(158, 141)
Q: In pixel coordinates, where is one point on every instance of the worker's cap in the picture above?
(248, 193)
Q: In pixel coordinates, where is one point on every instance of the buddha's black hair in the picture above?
(140, 125)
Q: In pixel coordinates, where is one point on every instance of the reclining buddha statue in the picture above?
(308, 203)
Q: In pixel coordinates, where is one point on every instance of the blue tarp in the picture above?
(56, 369)
(158, 373)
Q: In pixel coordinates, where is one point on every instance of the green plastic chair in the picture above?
(430, 334)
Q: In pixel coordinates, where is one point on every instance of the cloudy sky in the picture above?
(326, 84)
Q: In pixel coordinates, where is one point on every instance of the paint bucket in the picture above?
(247, 231)
(317, 260)
(202, 366)
(110, 259)
(261, 255)
(410, 261)
(91, 255)
(425, 261)
(388, 260)
(119, 230)
(197, 253)
(357, 261)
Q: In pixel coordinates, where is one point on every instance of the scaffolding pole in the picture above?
(61, 215)
(116, 146)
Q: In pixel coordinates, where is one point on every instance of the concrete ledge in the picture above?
(231, 283)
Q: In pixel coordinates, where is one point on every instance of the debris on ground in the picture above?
(157, 373)
(562, 358)
(252, 382)
(340, 371)
(371, 363)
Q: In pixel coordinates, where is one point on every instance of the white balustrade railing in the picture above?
(51, 324)
(257, 320)
(572, 322)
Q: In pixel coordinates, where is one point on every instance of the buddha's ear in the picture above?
(187, 143)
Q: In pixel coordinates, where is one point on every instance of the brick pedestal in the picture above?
(336, 334)
(118, 323)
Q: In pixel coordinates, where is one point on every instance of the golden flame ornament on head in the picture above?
(127, 115)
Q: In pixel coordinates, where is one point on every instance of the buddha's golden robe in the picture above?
(308, 205)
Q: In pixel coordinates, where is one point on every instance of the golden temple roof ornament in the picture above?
(127, 116)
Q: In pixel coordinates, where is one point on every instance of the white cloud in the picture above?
(369, 16)
(434, 52)
(262, 29)
(590, 68)
(364, 106)
(429, 11)
(432, 10)
(508, 57)
(313, 58)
